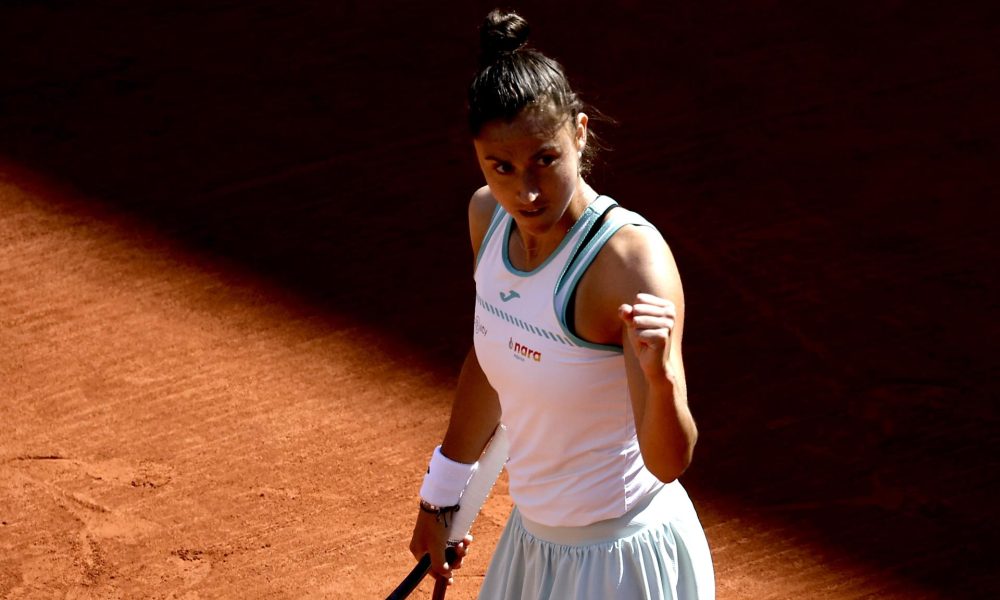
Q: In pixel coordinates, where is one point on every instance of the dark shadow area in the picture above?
(824, 174)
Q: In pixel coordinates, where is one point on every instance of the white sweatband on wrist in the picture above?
(445, 479)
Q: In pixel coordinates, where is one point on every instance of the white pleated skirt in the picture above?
(656, 551)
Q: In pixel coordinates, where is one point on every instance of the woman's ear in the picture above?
(581, 131)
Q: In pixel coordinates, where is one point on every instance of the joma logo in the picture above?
(523, 352)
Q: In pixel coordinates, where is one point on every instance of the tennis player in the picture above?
(577, 350)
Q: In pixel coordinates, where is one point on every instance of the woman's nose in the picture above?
(528, 191)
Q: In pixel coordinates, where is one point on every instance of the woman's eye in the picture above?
(546, 160)
(502, 168)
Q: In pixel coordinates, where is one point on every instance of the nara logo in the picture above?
(522, 352)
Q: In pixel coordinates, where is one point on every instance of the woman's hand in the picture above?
(430, 536)
(650, 320)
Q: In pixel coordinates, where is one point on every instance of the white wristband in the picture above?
(445, 480)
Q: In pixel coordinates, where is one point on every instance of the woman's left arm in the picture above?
(637, 276)
(665, 427)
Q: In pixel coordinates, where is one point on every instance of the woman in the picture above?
(577, 350)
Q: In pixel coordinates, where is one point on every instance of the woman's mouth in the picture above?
(533, 212)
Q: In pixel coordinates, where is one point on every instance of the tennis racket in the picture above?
(490, 465)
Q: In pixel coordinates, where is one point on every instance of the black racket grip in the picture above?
(411, 581)
(440, 589)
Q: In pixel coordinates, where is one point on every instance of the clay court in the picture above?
(235, 285)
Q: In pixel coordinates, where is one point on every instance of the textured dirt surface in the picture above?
(235, 286)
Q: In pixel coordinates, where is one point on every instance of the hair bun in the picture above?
(501, 33)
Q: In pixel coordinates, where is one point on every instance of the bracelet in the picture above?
(445, 480)
(440, 512)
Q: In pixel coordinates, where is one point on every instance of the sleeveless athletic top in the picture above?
(574, 455)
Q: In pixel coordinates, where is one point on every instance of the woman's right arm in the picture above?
(475, 414)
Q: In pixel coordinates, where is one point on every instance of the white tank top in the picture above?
(574, 455)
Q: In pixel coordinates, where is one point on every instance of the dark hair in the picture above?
(513, 76)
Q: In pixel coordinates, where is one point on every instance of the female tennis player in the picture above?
(577, 351)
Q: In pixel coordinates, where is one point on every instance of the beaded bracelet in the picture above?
(440, 512)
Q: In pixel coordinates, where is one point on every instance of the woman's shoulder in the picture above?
(636, 259)
(482, 205)
(636, 241)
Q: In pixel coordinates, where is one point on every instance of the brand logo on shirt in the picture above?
(480, 327)
(522, 352)
(509, 296)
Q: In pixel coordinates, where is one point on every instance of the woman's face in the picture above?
(532, 165)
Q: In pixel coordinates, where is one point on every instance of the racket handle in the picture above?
(412, 580)
(440, 587)
(417, 575)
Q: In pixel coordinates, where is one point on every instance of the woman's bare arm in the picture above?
(632, 296)
(475, 414)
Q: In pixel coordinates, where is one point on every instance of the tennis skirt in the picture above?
(656, 551)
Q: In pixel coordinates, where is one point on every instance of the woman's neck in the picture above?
(535, 248)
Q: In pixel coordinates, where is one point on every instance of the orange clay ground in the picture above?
(235, 286)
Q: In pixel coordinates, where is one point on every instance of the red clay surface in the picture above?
(235, 286)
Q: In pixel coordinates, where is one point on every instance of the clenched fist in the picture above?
(650, 321)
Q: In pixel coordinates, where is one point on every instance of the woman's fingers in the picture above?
(648, 305)
(644, 308)
(430, 537)
(650, 313)
(644, 298)
(461, 549)
(625, 311)
(447, 568)
(652, 322)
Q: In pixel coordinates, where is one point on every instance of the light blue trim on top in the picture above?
(570, 278)
(593, 210)
(494, 222)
